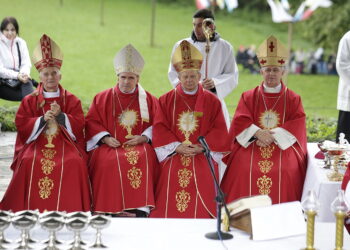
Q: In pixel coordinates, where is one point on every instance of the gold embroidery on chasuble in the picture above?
(264, 182)
(45, 185)
(47, 165)
(128, 119)
(266, 152)
(185, 160)
(132, 155)
(187, 124)
(49, 153)
(265, 166)
(182, 199)
(134, 174)
(269, 119)
(184, 177)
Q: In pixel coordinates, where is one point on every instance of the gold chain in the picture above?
(274, 105)
(121, 107)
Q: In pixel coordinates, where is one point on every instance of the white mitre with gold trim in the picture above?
(128, 59)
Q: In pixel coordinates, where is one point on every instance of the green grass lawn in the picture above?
(89, 48)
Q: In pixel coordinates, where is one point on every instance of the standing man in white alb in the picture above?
(222, 68)
(343, 69)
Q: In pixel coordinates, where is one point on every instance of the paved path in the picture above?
(7, 143)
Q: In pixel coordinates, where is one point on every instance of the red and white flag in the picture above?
(313, 5)
(279, 14)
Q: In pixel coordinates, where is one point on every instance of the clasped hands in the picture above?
(189, 149)
(134, 140)
(264, 137)
(54, 111)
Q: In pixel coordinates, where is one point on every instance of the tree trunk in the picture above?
(102, 12)
(153, 21)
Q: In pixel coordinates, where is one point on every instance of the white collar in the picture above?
(276, 89)
(190, 92)
(51, 94)
(128, 92)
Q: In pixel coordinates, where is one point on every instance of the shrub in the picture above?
(7, 118)
(320, 128)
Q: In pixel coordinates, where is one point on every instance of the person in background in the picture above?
(222, 72)
(14, 62)
(343, 102)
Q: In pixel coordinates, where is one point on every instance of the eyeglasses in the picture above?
(272, 70)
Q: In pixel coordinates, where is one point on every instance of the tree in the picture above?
(326, 27)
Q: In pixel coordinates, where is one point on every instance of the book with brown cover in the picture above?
(240, 211)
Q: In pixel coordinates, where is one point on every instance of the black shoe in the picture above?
(138, 213)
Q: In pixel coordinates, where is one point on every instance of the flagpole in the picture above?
(153, 21)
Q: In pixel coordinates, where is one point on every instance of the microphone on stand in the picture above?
(219, 199)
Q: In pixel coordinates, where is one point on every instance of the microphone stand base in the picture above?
(215, 236)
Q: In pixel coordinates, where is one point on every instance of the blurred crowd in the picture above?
(301, 61)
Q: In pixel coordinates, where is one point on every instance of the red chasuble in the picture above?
(267, 170)
(122, 178)
(344, 185)
(185, 187)
(50, 173)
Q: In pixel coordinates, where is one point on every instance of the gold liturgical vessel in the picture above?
(51, 132)
(128, 119)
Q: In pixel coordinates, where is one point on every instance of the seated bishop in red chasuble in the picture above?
(122, 163)
(346, 187)
(268, 135)
(49, 167)
(185, 188)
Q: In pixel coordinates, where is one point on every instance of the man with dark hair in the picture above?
(222, 72)
(122, 163)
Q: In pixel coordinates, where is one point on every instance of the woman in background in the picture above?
(14, 62)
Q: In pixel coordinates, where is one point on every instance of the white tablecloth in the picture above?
(169, 234)
(316, 179)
